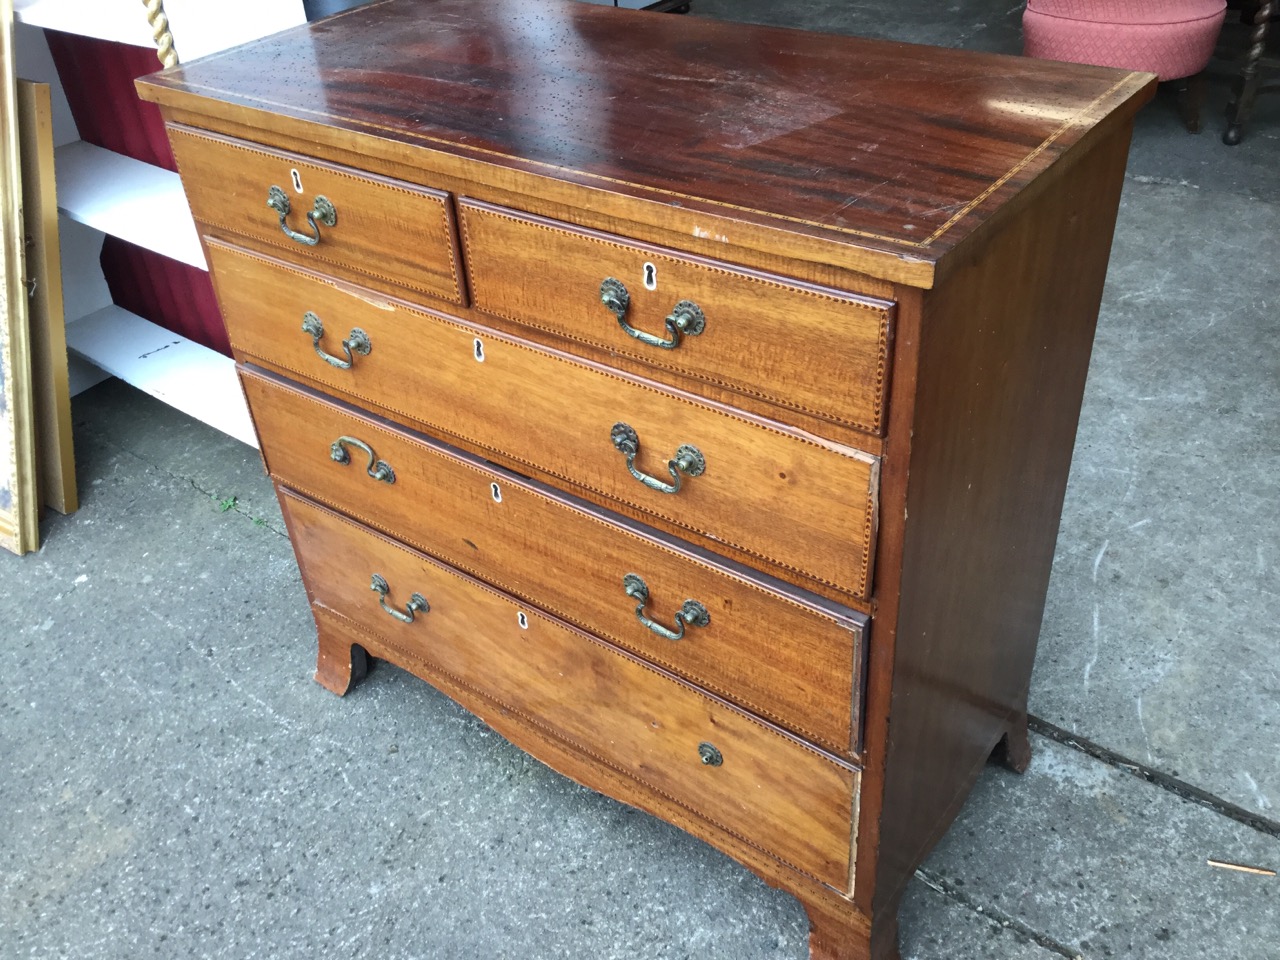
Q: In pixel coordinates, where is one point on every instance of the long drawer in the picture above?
(773, 496)
(376, 231)
(795, 661)
(786, 798)
(802, 347)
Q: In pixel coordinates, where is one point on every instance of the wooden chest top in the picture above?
(887, 155)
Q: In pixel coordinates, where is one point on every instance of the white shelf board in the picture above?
(199, 27)
(196, 380)
(127, 198)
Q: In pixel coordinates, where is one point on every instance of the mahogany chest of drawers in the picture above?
(691, 401)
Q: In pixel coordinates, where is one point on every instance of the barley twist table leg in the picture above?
(1247, 83)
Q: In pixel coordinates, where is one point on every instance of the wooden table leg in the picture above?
(837, 931)
(341, 663)
(1247, 84)
(1014, 749)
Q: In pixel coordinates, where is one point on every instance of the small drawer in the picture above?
(794, 802)
(798, 346)
(384, 234)
(738, 485)
(571, 560)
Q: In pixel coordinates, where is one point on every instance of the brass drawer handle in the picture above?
(358, 342)
(417, 602)
(688, 461)
(378, 469)
(322, 211)
(691, 612)
(686, 318)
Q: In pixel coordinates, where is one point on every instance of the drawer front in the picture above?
(791, 661)
(788, 799)
(386, 233)
(778, 340)
(774, 496)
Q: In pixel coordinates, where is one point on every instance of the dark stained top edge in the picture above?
(904, 147)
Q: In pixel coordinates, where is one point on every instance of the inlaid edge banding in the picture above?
(603, 644)
(420, 194)
(381, 405)
(598, 521)
(558, 735)
(709, 684)
(883, 314)
(858, 630)
(455, 149)
(857, 455)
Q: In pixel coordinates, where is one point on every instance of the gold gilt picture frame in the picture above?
(19, 499)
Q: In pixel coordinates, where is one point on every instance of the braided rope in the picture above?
(160, 30)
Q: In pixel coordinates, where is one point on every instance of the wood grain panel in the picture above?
(388, 234)
(996, 411)
(893, 148)
(804, 348)
(783, 796)
(839, 929)
(766, 648)
(779, 499)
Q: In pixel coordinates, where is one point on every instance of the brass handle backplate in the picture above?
(378, 469)
(691, 613)
(321, 212)
(357, 342)
(688, 460)
(417, 602)
(686, 318)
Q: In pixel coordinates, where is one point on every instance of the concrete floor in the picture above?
(176, 786)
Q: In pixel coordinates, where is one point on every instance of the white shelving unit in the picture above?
(127, 198)
(104, 193)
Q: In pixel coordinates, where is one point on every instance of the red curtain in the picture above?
(98, 78)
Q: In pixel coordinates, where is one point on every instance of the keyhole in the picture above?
(297, 180)
(479, 349)
(650, 277)
(522, 620)
(496, 492)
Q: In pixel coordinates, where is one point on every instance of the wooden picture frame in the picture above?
(19, 499)
(50, 387)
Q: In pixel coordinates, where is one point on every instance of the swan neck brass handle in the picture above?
(377, 469)
(357, 342)
(322, 212)
(686, 318)
(691, 612)
(688, 460)
(417, 602)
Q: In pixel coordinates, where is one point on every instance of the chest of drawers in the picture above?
(693, 402)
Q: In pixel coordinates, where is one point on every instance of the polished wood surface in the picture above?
(900, 150)
(768, 496)
(887, 416)
(794, 802)
(345, 645)
(388, 234)
(569, 560)
(985, 478)
(764, 336)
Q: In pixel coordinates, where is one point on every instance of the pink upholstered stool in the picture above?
(1173, 39)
